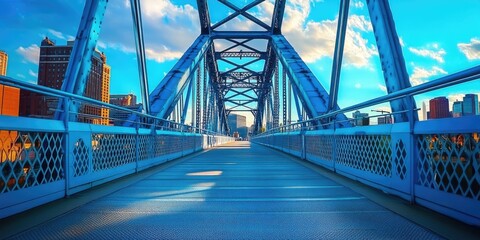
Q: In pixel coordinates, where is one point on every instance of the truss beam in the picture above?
(391, 57)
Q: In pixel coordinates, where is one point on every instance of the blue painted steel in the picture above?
(311, 93)
(204, 16)
(142, 64)
(166, 94)
(338, 55)
(393, 63)
(277, 18)
(243, 12)
(78, 68)
(187, 100)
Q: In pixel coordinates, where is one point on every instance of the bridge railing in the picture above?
(434, 163)
(44, 159)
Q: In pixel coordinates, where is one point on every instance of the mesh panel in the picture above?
(320, 145)
(80, 153)
(29, 159)
(370, 153)
(400, 158)
(113, 150)
(450, 163)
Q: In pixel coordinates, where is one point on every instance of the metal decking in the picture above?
(236, 191)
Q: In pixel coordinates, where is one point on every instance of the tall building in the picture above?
(457, 109)
(470, 105)
(9, 96)
(3, 63)
(238, 123)
(360, 119)
(52, 67)
(439, 108)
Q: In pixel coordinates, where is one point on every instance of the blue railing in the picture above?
(43, 159)
(435, 163)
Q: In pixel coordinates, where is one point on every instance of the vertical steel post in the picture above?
(338, 54)
(142, 65)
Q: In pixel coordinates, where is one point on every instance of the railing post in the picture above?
(137, 145)
(412, 153)
(304, 145)
(66, 143)
(334, 145)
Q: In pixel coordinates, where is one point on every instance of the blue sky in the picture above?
(438, 38)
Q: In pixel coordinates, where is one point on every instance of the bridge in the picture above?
(172, 168)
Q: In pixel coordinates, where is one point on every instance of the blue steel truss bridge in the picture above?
(171, 168)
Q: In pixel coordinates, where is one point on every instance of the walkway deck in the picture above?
(236, 191)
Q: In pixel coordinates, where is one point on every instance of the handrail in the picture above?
(442, 82)
(8, 81)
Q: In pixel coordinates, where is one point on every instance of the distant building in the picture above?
(361, 119)
(470, 105)
(457, 109)
(424, 111)
(9, 96)
(3, 63)
(237, 123)
(439, 108)
(124, 100)
(128, 101)
(384, 120)
(52, 67)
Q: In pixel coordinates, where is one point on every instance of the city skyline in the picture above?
(306, 23)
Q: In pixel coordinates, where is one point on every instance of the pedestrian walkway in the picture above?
(236, 191)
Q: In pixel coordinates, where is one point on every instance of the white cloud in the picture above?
(358, 4)
(421, 75)
(358, 85)
(20, 75)
(31, 53)
(455, 97)
(383, 88)
(56, 34)
(314, 40)
(471, 49)
(169, 29)
(32, 73)
(402, 43)
(436, 53)
(162, 56)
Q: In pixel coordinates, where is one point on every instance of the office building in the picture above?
(128, 101)
(361, 119)
(9, 96)
(52, 67)
(470, 105)
(237, 123)
(439, 108)
(457, 109)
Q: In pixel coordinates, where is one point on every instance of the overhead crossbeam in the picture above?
(243, 12)
(78, 69)
(391, 57)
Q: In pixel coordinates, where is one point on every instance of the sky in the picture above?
(438, 37)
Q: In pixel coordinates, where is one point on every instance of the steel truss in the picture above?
(218, 92)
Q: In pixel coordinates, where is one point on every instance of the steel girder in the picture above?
(204, 16)
(78, 69)
(393, 63)
(165, 96)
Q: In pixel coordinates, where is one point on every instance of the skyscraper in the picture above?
(439, 108)
(9, 96)
(238, 123)
(51, 73)
(3, 63)
(457, 109)
(470, 105)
